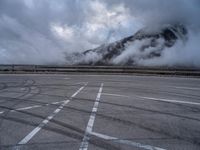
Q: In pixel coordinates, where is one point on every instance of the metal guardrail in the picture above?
(98, 69)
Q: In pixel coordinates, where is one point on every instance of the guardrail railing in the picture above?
(98, 69)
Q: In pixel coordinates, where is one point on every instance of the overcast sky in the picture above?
(41, 31)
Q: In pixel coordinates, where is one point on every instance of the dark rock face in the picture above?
(149, 43)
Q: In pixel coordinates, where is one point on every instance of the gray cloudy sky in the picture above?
(42, 31)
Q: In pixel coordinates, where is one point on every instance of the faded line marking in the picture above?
(32, 107)
(57, 102)
(26, 108)
(117, 95)
(27, 138)
(187, 88)
(22, 89)
(103, 136)
(86, 138)
(168, 100)
(78, 83)
(127, 142)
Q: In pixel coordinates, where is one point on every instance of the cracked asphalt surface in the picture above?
(96, 112)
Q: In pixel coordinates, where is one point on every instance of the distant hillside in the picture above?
(145, 44)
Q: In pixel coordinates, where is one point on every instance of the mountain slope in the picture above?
(145, 44)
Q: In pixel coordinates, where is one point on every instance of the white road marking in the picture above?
(85, 140)
(32, 107)
(117, 95)
(57, 102)
(23, 89)
(187, 88)
(78, 83)
(44, 122)
(26, 108)
(127, 142)
(168, 100)
(103, 136)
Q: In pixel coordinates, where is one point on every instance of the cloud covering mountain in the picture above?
(45, 31)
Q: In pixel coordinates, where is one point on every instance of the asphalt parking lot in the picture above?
(96, 112)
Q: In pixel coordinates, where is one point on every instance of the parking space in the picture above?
(89, 112)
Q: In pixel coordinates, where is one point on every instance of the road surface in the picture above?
(96, 112)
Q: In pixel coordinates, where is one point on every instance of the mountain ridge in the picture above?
(144, 44)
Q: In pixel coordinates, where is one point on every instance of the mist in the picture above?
(182, 54)
(47, 31)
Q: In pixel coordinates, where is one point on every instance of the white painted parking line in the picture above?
(187, 88)
(117, 95)
(126, 142)
(32, 107)
(168, 100)
(103, 136)
(44, 122)
(57, 102)
(22, 89)
(26, 108)
(85, 141)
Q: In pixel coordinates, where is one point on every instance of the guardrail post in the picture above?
(13, 67)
